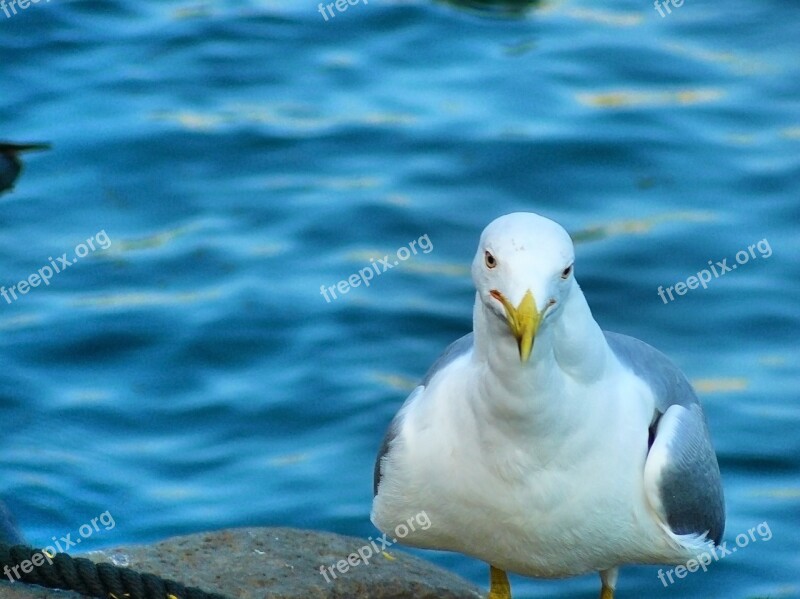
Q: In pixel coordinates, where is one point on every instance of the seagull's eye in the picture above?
(566, 272)
(490, 261)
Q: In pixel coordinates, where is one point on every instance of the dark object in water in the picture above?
(9, 531)
(10, 164)
(505, 8)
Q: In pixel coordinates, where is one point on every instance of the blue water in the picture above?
(240, 155)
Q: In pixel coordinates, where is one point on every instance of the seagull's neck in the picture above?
(569, 350)
(576, 341)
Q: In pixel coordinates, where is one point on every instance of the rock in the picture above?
(277, 563)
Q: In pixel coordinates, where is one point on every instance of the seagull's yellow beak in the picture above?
(523, 321)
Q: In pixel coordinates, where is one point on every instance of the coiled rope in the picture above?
(105, 581)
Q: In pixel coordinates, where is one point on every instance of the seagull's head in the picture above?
(523, 272)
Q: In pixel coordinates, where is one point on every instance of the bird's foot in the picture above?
(499, 586)
(609, 580)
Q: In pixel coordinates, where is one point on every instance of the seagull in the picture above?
(540, 443)
(10, 164)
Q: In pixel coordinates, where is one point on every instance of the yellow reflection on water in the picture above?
(629, 98)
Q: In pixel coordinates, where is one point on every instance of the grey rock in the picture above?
(276, 563)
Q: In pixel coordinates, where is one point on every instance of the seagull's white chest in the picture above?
(554, 501)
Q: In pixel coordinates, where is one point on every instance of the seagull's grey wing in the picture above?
(681, 475)
(455, 350)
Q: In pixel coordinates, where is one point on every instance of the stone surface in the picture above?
(276, 563)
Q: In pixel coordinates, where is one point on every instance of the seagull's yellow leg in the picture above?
(609, 580)
(499, 589)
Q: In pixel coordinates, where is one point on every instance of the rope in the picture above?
(103, 580)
